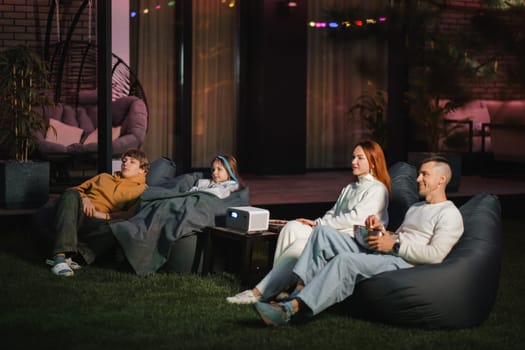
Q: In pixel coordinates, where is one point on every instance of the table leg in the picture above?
(246, 260)
(204, 249)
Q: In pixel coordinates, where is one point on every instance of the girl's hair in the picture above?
(376, 160)
(231, 165)
(139, 155)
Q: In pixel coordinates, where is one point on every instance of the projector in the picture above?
(249, 219)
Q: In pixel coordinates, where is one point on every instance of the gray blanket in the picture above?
(166, 214)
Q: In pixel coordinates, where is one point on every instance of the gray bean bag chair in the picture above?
(457, 293)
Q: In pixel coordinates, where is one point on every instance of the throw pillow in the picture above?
(62, 133)
(93, 136)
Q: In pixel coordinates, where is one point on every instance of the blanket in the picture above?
(168, 213)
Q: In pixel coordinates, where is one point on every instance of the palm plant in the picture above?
(24, 76)
(371, 108)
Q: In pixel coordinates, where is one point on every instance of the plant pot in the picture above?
(23, 185)
(455, 161)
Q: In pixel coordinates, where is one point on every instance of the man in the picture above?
(83, 212)
(332, 264)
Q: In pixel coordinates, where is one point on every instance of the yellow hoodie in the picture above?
(113, 194)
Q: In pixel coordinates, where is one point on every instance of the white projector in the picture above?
(249, 219)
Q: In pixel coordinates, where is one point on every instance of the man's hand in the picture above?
(87, 207)
(382, 243)
(373, 223)
(308, 222)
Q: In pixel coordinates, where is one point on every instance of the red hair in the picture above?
(376, 159)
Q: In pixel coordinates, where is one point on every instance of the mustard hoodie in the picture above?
(113, 194)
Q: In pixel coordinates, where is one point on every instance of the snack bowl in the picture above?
(361, 232)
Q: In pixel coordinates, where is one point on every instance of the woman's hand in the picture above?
(308, 222)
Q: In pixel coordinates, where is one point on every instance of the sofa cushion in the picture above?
(93, 136)
(507, 112)
(120, 108)
(62, 133)
(84, 121)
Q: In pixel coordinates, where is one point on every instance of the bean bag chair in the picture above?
(404, 192)
(457, 293)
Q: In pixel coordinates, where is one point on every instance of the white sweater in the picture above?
(358, 200)
(429, 231)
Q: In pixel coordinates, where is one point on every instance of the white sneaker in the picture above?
(62, 269)
(71, 263)
(245, 297)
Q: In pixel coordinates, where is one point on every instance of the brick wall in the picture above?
(458, 18)
(25, 22)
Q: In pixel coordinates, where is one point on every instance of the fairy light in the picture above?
(347, 23)
(157, 7)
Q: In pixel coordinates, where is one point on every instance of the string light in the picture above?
(171, 3)
(347, 23)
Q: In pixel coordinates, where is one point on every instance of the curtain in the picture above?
(337, 75)
(214, 80)
(153, 59)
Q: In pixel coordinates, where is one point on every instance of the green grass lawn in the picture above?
(108, 307)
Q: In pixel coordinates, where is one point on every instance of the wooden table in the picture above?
(208, 238)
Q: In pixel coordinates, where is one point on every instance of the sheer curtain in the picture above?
(214, 80)
(153, 58)
(213, 77)
(335, 79)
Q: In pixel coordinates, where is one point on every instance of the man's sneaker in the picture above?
(245, 297)
(72, 264)
(274, 314)
(62, 269)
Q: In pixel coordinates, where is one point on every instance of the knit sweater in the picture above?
(358, 200)
(429, 231)
(112, 194)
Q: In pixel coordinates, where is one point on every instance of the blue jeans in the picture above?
(332, 263)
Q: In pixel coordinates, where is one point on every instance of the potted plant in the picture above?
(441, 73)
(24, 183)
(371, 109)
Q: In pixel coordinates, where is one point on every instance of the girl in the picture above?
(225, 177)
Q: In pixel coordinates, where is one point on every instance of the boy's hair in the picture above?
(139, 155)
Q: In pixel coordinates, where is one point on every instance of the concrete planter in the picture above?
(23, 185)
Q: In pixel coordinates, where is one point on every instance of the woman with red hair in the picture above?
(368, 193)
